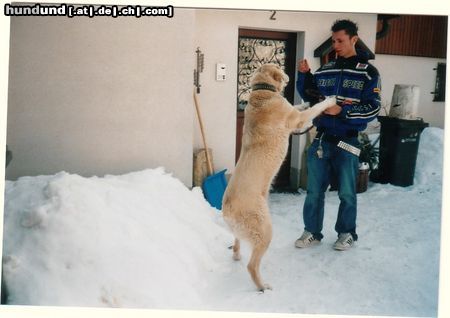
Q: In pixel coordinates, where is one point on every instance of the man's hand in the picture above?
(333, 110)
(303, 66)
(336, 109)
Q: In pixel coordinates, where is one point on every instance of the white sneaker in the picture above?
(306, 240)
(344, 242)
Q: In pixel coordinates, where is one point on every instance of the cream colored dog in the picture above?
(269, 120)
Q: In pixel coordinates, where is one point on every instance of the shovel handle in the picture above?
(208, 160)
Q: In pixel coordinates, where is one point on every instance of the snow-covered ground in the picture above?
(144, 240)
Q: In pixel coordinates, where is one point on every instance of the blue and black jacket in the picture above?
(350, 79)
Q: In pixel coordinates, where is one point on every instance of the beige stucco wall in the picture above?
(412, 70)
(101, 96)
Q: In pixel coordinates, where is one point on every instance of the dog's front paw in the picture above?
(264, 287)
(331, 100)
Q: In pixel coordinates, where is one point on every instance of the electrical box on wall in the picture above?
(221, 72)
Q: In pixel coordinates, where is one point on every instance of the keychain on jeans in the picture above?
(319, 151)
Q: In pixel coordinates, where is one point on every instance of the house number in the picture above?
(272, 17)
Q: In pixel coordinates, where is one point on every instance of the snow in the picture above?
(144, 240)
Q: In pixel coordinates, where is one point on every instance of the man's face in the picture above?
(343, 44)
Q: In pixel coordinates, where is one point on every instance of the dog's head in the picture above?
(270, 74)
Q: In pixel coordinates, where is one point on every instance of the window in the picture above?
(439, 89)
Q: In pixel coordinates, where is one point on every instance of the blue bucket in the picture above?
(214, 187)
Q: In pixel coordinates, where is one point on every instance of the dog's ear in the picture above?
(280, 76)
(276, 75)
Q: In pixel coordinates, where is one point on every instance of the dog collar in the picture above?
(265, 86)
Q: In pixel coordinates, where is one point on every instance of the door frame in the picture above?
(282, 180)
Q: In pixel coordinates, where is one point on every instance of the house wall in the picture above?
(412, 70)
(101, 96)
(217, 37)
(109, 96)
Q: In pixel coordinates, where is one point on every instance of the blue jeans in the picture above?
(345, 166)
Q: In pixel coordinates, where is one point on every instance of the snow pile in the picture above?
(430, 157)
(137, 240)
(144, 240)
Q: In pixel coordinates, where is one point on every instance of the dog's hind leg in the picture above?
(259, 247)
(236, 249)
(254, 264)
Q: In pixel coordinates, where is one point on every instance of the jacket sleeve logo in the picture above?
(362, 66)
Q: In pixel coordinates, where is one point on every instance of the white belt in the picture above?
(352, 149)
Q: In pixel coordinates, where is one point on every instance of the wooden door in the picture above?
(257, 47)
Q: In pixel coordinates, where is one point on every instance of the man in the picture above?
(356, 85)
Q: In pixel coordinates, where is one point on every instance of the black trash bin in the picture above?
(399, 142)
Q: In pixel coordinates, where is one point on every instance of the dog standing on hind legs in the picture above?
(269, 120)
